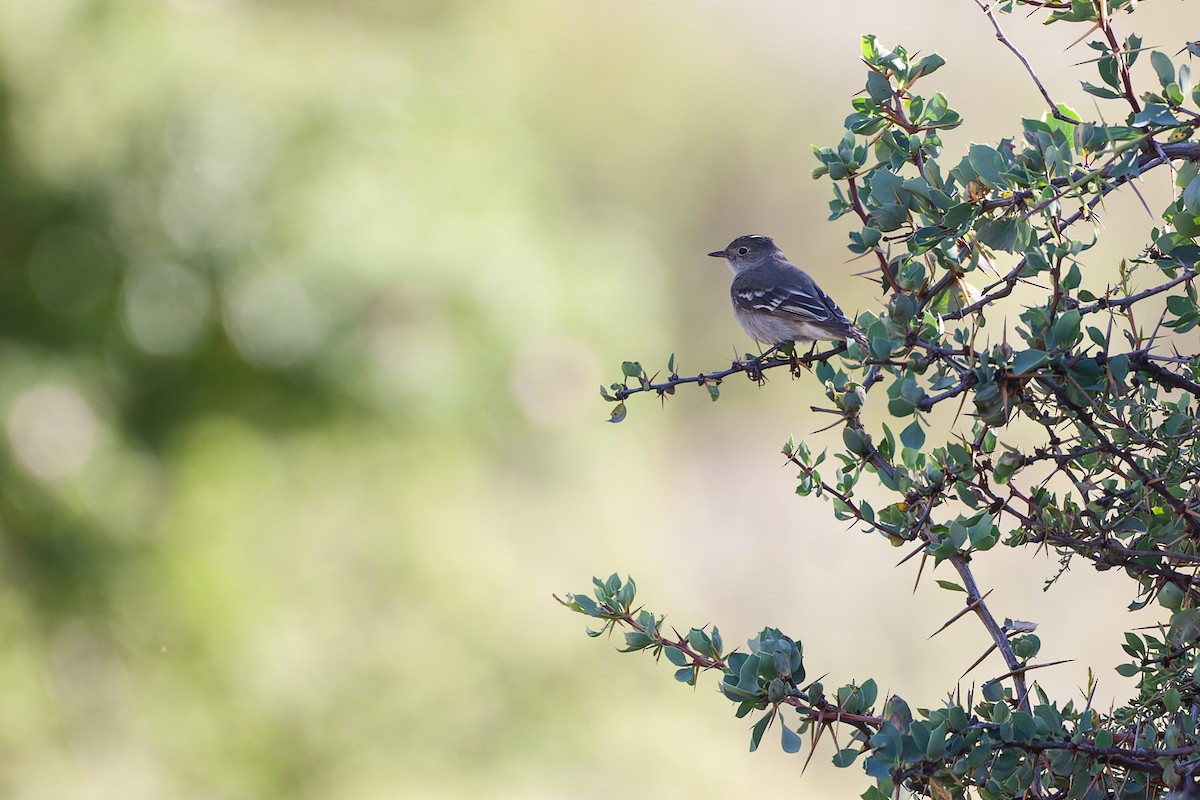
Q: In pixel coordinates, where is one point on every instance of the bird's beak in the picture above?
(720, 254)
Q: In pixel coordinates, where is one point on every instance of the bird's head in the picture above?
(747, 251)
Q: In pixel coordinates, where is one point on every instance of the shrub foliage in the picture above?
(1075, 426)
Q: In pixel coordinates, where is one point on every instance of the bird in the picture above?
(777, 302)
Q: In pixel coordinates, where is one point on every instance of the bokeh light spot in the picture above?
(553, 380)
(272, 321)
(52, 429)
(166, 307)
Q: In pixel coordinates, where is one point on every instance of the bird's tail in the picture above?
(857, 335)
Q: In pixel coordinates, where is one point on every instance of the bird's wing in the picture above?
(798, 295)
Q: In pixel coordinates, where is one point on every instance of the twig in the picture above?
(1004, 40)
(753, 367)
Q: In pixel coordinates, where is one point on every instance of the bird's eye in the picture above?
(743, 250)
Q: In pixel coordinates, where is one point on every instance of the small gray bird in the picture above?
(775, 301)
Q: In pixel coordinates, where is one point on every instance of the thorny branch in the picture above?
(1141, 361)
(822, 711)
(753, 368)
(1004, 40)
(1115, 475)
(1185, 151)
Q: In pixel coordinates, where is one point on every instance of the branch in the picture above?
(1131, 758)
(999, 637)
(1179, 151)
(1105, 25)
(1143, 362)
(1184, 151)
(1124, 302)
(856, 204)
(987, 9)
(753, 367)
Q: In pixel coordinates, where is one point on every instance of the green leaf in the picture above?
(869, 48)
(1180, 304)
(959, 215)
(1163, 67)
(1028, 360)
(676, 656)
(877, 768)
(983, 534)
(1191, 196)
(880, 347)
(912, 436)
(988, 164)
(870, 692)
(1065, 331)
(713, 391)
(1100, 91)
(1155, 114)
(878, 87)
(865, 240)
(927, 65)
(760, 727)
(585, 604)
(791, 740)
(937, 741)
(845, 757)
(1071, 281)
(1027, 646)
(899, 407)
(1185, 624)
(925, 238)
(698, 640)
(951, 586)
(1108, 71)
(618, 413)
(1133, 46)
(626, 593)
(1010, 235)
(631, 369)
(857, 441)
(748, 676)
(636, 640)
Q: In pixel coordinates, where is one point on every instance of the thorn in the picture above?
(1028, 667)
(979, 660)
(1133, 185)
(974, 604)
(818, 729)
(1087, 33)
(920, 570)
(909, 557)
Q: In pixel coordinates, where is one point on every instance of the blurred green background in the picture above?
(303, 307)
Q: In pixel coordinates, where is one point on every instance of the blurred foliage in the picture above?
(297, 313)
(258, 260)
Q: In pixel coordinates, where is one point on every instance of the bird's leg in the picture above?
(770, 352)
(750, 362)
(801, 363)
(753, 366)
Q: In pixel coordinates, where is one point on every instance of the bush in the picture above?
(1111, 476)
